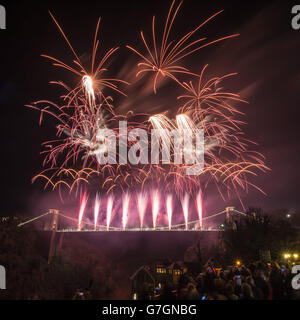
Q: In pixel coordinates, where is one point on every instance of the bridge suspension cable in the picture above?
(33, 219)
(112, 228)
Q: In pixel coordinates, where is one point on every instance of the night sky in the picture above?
(265, 56)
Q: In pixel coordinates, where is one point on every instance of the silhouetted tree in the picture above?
(250, 234)
(257, 231)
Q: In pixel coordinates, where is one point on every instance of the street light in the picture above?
(286, 256)
(238, 262)
(295, 255)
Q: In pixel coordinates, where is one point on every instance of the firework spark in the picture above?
(199, 207)
(163, 58)
(169, 206)
(96, 209)
(155, 206)
(109, 209)
(83, 202)
(74, 158)
(126, 199)
(92, 78)
(87, 83)
(185, 209)
(142, 205)
(120, 222)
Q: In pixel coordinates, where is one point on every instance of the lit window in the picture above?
(161, 270)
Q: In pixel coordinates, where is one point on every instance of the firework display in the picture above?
(89, 126)
(153, 212)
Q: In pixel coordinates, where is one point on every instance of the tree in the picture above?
(257, 231)
(250, 234)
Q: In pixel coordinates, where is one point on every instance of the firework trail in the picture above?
(126, 199)
(87, 83)
(163, 59)
(92, 78)
(185, 123)
(109, 209)
(141, 199)
(96, 209)
(223, 139)
(185, 209)
(83, 202)
(88, 108)
(169, 206)
(155, 206)
(199, 203)
(142, 205)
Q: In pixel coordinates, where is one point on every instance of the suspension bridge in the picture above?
(72, 226)
(57, 222)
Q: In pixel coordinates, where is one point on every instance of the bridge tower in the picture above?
(53, 249)
(53, 229)
(228, 210)
(228, 217)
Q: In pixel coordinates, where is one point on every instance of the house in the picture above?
(148, 280)
(176, 270)
(143, 284)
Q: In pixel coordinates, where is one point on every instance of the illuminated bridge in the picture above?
(70, 224)
(56, 222)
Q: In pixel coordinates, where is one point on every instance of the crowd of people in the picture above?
(256, 281)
